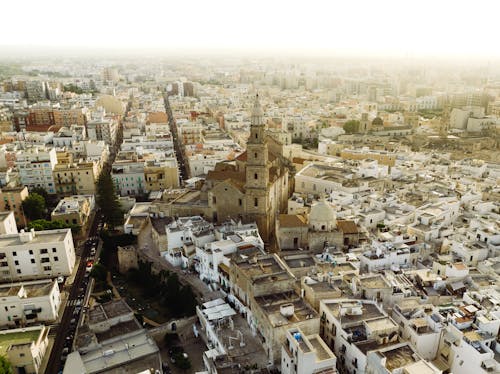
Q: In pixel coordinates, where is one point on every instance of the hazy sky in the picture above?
(402, 27)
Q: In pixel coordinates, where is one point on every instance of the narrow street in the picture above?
(177, 142)
(65, 330)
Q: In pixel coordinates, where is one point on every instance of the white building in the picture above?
(7, 223)
(303, 354)
(35, 255)
(35, 165)
(129, 177)
(29, 302)
(353, 328)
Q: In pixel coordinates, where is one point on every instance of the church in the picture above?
(254, 187)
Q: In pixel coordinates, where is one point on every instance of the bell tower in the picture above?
(257, 205)
(257, 174)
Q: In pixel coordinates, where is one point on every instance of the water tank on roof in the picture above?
(287, 310)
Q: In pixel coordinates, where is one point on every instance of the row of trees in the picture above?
(43, 224)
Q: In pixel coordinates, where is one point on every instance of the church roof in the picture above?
(292, 220)
(347, 227)
(221, 175)
(244, 156)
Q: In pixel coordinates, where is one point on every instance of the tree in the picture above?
(41, 191)
(351, 127)
(181, 360)
(5, 366)
(43, 224)
(34, 206)
(99, 272)
(108, 201)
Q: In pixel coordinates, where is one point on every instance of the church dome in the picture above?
(322, 217)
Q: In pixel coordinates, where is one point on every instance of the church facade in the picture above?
(254, 187)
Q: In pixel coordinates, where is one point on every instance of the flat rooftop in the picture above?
(41, 237)
(121, 328)
(137, 350)
(368, 311)
(373, 281)
(16, 338)
(263, 269)
(108, 310)
(322, 352)
(299, 261)
(33, 289)
(271, 304)
(398, 357)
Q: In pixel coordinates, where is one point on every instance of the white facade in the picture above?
(129, 178)
(36, 255)
(35, 166)
(7, 223)
(302, 354)
(29, 302)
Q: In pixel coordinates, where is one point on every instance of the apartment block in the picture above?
(36, 255)
(29, 303)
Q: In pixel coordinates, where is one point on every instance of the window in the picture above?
(214, 200)
(256, 202)
(14, 253)
(256, 136)
(240, 202)
(54, 250)
(255, 154)
(18, 271)
(47, 268)
(16, 262)
(32, 260)
(56, 258)
(43, 251)
(255, 176)
(45, 259)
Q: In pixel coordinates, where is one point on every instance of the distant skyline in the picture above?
(382, 28)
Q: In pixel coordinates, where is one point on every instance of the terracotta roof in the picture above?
(157, 117)
(242, 157)
(347, 227)
(221, 175)
(298, 160)
(292, 220)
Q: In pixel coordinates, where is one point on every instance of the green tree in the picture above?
(351, 126)
(43, 224)
(5, 366)
(108, 201)
(34, 206)
(182, 361)
(41, 191)
(99, 272)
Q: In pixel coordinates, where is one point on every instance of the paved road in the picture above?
(177, 143)
(65, 330)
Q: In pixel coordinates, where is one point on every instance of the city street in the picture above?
(66, 329)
